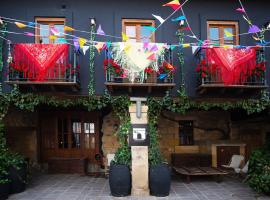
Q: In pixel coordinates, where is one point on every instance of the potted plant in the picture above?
(202, 69)
(4, 181)
(12, 169)
(165, 73)
(17, 173)
(159, 172)
(150, 75)
(258, 73)
(113, 71)
(119, 174)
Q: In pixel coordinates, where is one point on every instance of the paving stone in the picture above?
(75, 187)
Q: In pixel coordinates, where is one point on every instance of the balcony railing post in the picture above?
(74, 68)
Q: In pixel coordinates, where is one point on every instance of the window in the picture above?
(80, 133)
(89, 135)
(76, 133)
(217, 32)
(44, 27)
(136, 31)
(186, 133)
(62, 133)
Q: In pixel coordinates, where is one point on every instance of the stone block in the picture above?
(135, 120)
(140, 170)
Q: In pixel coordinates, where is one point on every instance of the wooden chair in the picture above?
(242, 172)
(236, 162)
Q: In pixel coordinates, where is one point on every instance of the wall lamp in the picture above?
(92, 21)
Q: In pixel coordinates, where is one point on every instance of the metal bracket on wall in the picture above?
(138, 101)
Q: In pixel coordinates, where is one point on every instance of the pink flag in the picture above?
(152, 57)
(242, 10)
(29, 34)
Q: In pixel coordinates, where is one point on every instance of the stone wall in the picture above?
(210, 127)
(109, 140)
(21, 133)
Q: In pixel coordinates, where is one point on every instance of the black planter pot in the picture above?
(160, 180)
(120, 180)
(4, 191)
(118, 79)
(18, 179)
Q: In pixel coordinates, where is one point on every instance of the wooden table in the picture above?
(200, 171)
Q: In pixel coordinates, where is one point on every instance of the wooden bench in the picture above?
(200, 171)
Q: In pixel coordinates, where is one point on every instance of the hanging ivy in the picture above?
(3, 28)
(181, 91)
(91, 85)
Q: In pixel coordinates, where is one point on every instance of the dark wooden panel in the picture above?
(225, 153)
(191, 160)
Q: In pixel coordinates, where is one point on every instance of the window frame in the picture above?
(186, 135)
(139, 23)
(50, 21)
(221, 25)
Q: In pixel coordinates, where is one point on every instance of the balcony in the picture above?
(231, 71)
(44, 67)
(151, 81)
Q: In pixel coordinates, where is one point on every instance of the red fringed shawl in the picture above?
(236, 65)
(36, 60)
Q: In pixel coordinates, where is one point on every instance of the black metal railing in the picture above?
(68, 71)
(153, 77)
(213, 74)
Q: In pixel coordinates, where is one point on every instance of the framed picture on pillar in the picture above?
(138, 135)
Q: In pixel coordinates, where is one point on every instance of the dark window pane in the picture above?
(62, 133)
(186, 133)
(76, 131)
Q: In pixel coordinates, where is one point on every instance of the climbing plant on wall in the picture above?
(181, 91)
(91, 85)
(120, 106)
(3, 27)
(154, 110)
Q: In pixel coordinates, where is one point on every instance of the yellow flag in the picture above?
(227, 46)
(20, 25)
(124, 37)
(82, 42)
(228, 34)
(52, 37)
(186, 45)
(68, 28)
(127, 47)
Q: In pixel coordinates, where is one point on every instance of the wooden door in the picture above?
(70, 135)
(225, 153)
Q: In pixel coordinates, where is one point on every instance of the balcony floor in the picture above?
(36, 86)
(131, 88)
(219, 88)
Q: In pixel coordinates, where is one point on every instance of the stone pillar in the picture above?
(139, 154)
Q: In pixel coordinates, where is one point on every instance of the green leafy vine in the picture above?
(91, 85)
(3, 28)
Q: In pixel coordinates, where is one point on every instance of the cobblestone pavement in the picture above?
(76, 187)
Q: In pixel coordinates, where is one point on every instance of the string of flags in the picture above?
(83, 44)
